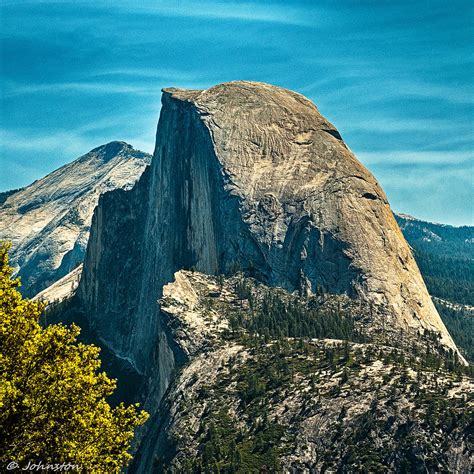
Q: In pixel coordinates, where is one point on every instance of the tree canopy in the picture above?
(53, 397)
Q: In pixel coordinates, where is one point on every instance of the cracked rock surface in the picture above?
(315, 214)
(245, 177)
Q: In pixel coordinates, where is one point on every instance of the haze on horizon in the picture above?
(395, 80)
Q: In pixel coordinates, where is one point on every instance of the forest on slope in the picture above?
(445, 256)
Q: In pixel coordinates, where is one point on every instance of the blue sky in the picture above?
(395, 77)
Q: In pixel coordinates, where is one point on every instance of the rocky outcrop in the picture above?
(62, 289)
(245, 177)
(311, 213)
(288, 405)
(48, 222)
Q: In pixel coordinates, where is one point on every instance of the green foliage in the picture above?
(254, 407)
(366, 443)
(276, 314)
(460, 324)
(225, 448)
(249, 440)
(53, 399)
(445, 256)
(447, 277)
(438, 238)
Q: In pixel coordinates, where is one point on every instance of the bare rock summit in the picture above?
(48, 221)
(245, 177)
(312, 214)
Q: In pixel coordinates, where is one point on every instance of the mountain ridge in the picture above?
(245, 177)
(255, 287)
(48, 221)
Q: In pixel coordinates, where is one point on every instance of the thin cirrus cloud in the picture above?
(46, 151)
(120, 81)
(88, 87)
(71, 141)
(364, 90)
(149, 73)
(241, 11)
(219, 10)
(395, 80)
(406, 183)
(399, 124)
(416, 158)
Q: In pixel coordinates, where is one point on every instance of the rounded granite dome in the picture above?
(315, 213)
(263, 133)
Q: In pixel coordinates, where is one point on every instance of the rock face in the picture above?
(310, 213)
(62, 289)
(48, 222)
(245, 176)
(294, 406)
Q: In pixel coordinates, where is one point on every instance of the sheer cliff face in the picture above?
(314, 213)
(48, 222)
(245, 176)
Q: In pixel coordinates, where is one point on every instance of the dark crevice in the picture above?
(333, 133)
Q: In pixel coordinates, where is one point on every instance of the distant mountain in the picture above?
(48, 221)
(251, 179)
(437, 238)
(254, 292)
(445, 255)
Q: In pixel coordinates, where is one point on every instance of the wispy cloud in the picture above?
(395, 80)
(360, 91)
(249, 11)
(241, 11)
(50, 151)
(427, 190)
(399, 124)
(79, 139)
(151, 73)
(70, 142)
(394, 158)
(103, 88)
(115, 85)
(454, 94)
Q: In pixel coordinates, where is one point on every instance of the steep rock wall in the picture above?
(245, 176)
(316, 215)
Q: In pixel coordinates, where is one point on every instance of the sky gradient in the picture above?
(395, 79)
